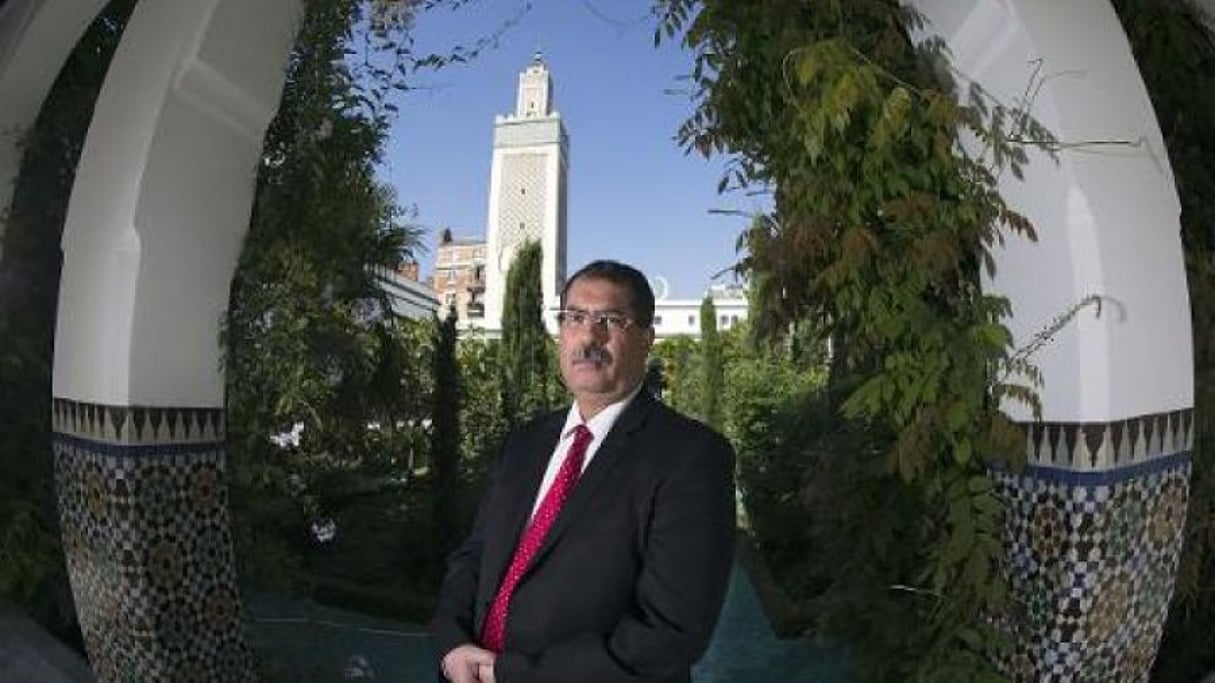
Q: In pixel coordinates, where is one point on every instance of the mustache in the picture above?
(596, 354)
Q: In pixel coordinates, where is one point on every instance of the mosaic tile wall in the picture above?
(1094, 538)
(144, 519)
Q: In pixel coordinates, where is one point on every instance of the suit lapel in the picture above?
(527, 462)
(609, 456)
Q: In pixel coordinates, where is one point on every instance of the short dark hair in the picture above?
(641, 297)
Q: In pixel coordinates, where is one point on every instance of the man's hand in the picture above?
(465, 664)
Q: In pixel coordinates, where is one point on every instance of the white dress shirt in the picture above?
(599, 425)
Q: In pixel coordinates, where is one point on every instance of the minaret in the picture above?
(527, 191)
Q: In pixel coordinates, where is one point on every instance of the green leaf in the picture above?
(962, 451)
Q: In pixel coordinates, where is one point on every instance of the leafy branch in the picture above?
(885, 215)
(1018, 363)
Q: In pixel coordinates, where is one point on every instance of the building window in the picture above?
(523, 190)
(475, 308)
(733, 320)
(657, 320)
(724, 321)
(691, 320)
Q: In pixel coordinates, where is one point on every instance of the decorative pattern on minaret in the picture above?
(523, 201)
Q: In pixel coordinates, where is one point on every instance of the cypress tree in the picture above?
(714, 375)
(525, 342)
(445, 437)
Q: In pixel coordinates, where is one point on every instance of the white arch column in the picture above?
(36, 37)
(154, 228)
(1095, 523)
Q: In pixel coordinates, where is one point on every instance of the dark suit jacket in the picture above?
(629, 581)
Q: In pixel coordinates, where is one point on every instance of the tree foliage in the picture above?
(330, 395)
(886, 204)
(770, 408)
(310, 338)
(482, 415)
(714, 373)
(445, 437)
(526, 346)
(770, 411)
(682, 376)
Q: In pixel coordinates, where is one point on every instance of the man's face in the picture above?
(601, 363)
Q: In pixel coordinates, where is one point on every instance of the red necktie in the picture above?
(493, 634)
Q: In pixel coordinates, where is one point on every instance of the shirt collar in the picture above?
(602, 423)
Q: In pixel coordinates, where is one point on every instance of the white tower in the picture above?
(527, 191)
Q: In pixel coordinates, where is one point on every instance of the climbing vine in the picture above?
(886, 205)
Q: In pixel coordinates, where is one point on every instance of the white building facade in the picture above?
(681, 317)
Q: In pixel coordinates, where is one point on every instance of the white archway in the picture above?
(157, 215)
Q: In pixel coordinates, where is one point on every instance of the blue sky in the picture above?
(634, 194)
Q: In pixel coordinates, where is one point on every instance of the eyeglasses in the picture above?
(572, 318)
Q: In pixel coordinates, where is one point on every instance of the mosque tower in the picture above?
(527, 191)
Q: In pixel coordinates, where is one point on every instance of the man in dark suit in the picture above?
(604, 541)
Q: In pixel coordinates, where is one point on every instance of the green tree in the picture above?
(309, 336)
(655, 377)
(482, 416)
(714, 373)
(771, 411)
(445, 438)
(683, 379)
(526, 352)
